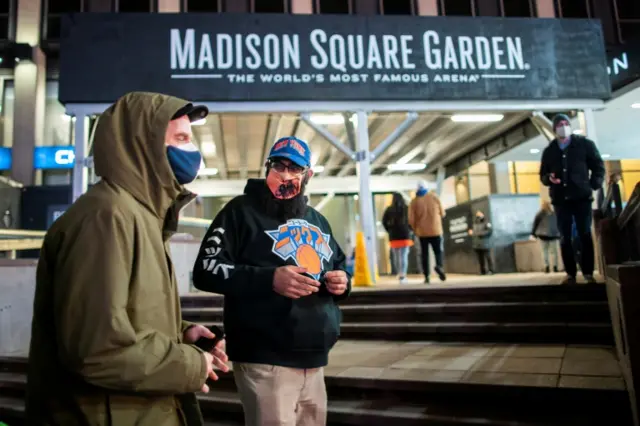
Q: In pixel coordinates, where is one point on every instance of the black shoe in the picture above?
(547, 270)
(441, 274)
(555, 269)
(569, 280)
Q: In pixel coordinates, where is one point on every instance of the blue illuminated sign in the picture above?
(54, 157)
(5, 158)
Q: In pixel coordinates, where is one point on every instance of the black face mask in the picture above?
(284, 209)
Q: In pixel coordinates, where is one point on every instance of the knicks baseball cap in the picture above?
(293, 149)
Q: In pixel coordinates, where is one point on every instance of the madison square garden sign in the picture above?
(211, 57)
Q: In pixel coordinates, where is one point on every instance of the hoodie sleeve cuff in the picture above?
(261, 276)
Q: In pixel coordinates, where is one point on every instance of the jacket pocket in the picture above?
(315, 323)
(124, 410)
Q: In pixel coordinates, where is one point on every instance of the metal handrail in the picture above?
(27, 239)
(631, 208)
(20, 233)
(611, 199)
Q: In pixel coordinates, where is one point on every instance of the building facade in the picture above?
(32, 119)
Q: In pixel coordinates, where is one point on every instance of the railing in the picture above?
(610, 204)
(619, 241)
(618, 227)
(12, 240)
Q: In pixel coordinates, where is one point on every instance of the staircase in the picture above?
(379, 402)
(538, 314)
(532, 314)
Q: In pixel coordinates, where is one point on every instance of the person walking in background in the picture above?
(425, 218)
(572, 168)
(545, 228)
(396, 222)
(481, 233)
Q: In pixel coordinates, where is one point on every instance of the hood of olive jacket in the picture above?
(129, 149)
(106, 334)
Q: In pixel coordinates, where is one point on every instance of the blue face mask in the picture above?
(184, 163)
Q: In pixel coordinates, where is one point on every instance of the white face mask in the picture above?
(563, 132)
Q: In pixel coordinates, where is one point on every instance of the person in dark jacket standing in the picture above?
(481, 242)
(281, 271)
(545, 228)
(396, 222)
(572, 168)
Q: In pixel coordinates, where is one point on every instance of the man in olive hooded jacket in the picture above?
(108, 345)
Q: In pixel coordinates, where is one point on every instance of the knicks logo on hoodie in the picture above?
(304, 243)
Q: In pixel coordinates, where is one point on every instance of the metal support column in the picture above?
(80, 173)
(363, 170)
(590, 125)
(393, 136)
(324, 201)
(329, 137)
(543, 125)
(440, 177)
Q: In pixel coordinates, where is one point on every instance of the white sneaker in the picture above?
(404, 280)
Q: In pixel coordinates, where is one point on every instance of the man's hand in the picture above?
(336, 282)
(217, 358)
(553, 179)
(288, 281)
(192, 334)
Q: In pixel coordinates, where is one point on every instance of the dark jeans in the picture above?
(485, 260)
(436, 246)
(581, 212)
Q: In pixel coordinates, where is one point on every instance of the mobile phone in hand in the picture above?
(206, 344)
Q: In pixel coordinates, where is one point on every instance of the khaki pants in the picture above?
(281, 396)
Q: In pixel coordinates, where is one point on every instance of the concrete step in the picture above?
(476, 332)
(11, 410)
(542, 293)
(404, 402)
(542, 312)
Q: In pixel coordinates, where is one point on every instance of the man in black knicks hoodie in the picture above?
(281, 271)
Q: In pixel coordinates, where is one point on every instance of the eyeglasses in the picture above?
(281, 167)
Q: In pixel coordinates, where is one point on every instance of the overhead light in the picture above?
(534, 150)
(317, 169)
(208, 148)
(314, 158)
(578, 131)
(476, 118)
(606, 155)
(407, 167)
(327, 118)
(636, 105)
(200, 122)
(208, 171)
(332, 119)
(356, 197)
